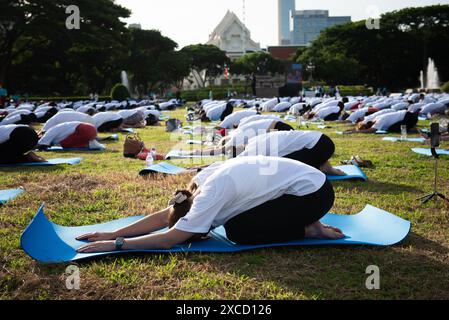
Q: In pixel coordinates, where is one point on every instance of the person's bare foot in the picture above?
(318, 230)
(327, 168)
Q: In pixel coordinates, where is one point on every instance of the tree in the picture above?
(205, 61)
(149, 59)
(390, 56)
(35, 45)
(257, 62)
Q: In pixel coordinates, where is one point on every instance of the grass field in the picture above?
(107, 186)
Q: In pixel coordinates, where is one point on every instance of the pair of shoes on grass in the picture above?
(358, 161)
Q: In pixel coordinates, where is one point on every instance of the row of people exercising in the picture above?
(258, 200)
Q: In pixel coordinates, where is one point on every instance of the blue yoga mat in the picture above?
(179, 154)
(352, 173)
(428, 152)
(11, 194)
(377, 132)
(395, 139)
(47, 242)
(61, 149)
(163, 167)
(48, 163)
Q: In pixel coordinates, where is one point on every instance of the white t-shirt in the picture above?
(67, 116)
(103, 117)
(373, 116)
(5, 131)
(324, 112)
(281, 143)
(215, 113)
(281, 107)
(416, 107)
(269, 105)
(244, 183)
(326, 104)
(258, 117)
(400, 106)
(86, 109)
(58, 133)
(433, 108)
(297, 108)
(128, 113)
(385, 121)
(356, 115)
(234, 119)
(245, 132)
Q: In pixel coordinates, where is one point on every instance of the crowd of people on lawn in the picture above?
(255, 203)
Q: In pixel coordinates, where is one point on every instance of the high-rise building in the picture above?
(285, 9)
(307, 25)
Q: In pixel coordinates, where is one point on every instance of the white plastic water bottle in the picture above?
(149, 161)
(153, 153)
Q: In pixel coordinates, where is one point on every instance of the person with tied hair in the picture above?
(252, 197)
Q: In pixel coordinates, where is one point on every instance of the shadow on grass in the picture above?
(25, 169)
(414, 269)
(374, 186)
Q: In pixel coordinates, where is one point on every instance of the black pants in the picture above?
(318, 155)
(282, 126)
(110, 125)
(21, 141)
(332, 117)
(280, 220)
(48, 115)
(27, 119)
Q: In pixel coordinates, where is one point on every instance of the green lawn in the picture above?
(107, 186)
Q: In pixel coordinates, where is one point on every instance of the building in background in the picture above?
(283, 52)
(285, 10)
(307, 25)
(135, 26)
(233, 37)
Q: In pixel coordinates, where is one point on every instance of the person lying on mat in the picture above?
(233, 120)
(310, 147)
(237, 139)
(108, 121)
(133, 118)
(67, 116)
(70, 135)
(390, 122)
(216, 112)
(359, 115)
(253, 213)
(22, 116)
(330, 113)
(17, 143)
(45, 113)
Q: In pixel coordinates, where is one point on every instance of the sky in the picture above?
(192, 21)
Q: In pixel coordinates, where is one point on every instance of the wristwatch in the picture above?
(119, 242)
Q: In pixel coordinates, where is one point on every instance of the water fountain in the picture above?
(125, 80)
(433, 79)
(421, 80)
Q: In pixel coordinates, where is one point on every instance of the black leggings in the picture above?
(27, 119)
(280, 220)
(332, 117)
(318, 155)
(282, 126)
(21, 141)
(110, 125)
